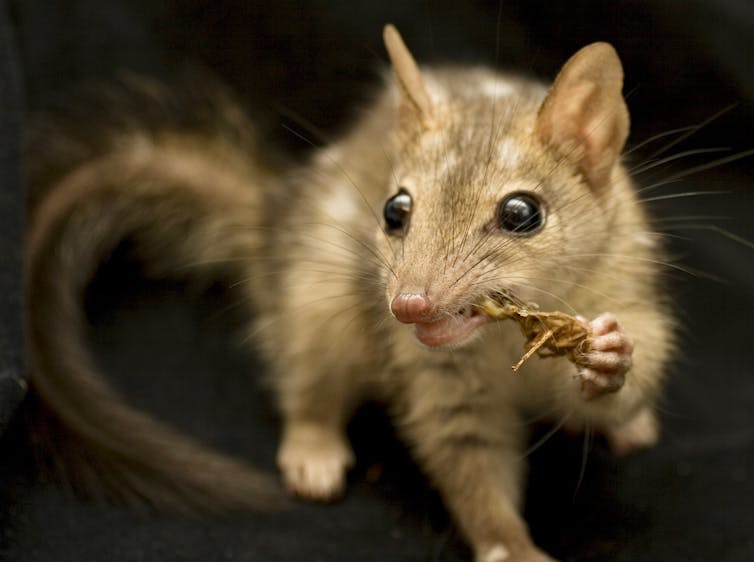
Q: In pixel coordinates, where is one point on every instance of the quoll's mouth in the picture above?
(450, 330)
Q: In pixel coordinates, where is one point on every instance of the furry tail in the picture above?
(181, 192)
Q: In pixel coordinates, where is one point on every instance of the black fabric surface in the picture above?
(12, 381)
(177, 354)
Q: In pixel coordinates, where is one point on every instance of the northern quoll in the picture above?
(364, 268)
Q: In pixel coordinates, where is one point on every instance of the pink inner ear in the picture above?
(567, 120)
(584, 118)
(584, 128)
(604, 142)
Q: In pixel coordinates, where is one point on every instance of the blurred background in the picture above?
(309, 66)
(684, 59)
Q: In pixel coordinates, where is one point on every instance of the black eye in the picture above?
(398, 210)
(520, 213)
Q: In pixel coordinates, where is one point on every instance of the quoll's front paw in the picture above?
(608, 358)
(314, 461)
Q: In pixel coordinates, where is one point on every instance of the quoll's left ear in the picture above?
(584, 117)
(415, 104)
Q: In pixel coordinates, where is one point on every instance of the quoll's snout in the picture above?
(411, 308)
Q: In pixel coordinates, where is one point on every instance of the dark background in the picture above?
(309, 65)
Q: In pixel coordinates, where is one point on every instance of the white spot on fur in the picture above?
(496, 554)
(449, 162)
(509, 152)
(497, 88)
(340, 204)
(329, 155)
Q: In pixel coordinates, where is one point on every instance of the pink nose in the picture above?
(411, 307)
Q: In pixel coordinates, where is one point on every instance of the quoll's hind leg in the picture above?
(472, 452)
(640, 432)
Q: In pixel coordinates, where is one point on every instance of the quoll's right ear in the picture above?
(584, 117)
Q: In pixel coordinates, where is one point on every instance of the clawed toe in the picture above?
(608, 359)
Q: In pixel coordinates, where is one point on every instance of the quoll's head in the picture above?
(500, 185)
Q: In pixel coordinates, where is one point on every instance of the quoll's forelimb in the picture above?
(474, 460)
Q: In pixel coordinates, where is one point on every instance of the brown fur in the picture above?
(328, 272)
(183, 196)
